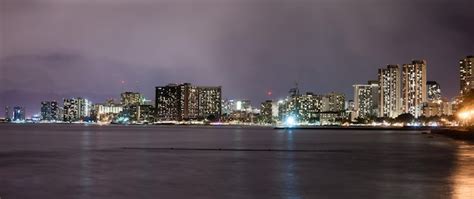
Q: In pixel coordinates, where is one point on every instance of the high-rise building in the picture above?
(434, 91)
(390, 85)
(19, 114)
(167, 102)
(302, 108)
(49, 111)
(466, 74)
(266, 112)
(333, 102)
(187, 102)
(367, 100)
(7, 113)
(131, 98)
(414, 87)
(210, 102)
(75, 109)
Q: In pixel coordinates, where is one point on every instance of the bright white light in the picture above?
(239, 105)
(290, 121)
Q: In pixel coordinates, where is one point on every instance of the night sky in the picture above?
(50, 49)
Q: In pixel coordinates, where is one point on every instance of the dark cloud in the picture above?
(72, 47)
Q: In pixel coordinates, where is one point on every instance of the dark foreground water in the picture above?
(63, 161)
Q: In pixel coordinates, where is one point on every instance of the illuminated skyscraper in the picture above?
(367, 100)
(210, 102)
(333, 102)
(76, 109)
(390, 84)
(19, 114)
(187, 102)
(414, 87)
(167, 102)
(49, 111)
(266, 112)
(466, 74)
(7, 113)
(303, 108)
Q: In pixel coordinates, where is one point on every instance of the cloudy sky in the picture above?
(50, 49)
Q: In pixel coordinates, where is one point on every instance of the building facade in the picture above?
(186, 102)
(466, 74)
(414, 91)
(390, 85)
(333, 102)
(49, 111)
(131, 98)
(367, 100)
(266, 112)
(76, 109)
(302, 108)
(7, 113)
(19, 114)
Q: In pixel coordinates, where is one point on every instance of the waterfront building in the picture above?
(107, 112)
(19, 114)
(139, 113)
(49, 111)
(167, 102)
(229, 106)
(390, 85)
(187, 102)
(76, 109)
(266, 110)
(302, 108)
(414, 87)
(7, 113)
(466, 74)
(333, 102)
(367, 100)
(330, 118)
(210, 99)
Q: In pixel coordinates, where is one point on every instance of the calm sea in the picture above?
(77, 161)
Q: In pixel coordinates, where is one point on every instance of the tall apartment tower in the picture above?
(49, 111)
(75, 109)
(187, 102)
(414, 87)
(390, 85)
(7, 113)
(367, 99)
(466, 74)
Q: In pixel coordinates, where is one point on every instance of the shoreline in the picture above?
(457, 134)
(454, 133)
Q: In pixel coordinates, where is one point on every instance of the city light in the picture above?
(466, 115)
(290, 121)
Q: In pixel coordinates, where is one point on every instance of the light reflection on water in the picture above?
(463, 176)
(85, 173)
(289, 176)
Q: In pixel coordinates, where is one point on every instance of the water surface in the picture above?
(76, 161)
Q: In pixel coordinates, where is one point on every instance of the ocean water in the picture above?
(78, 161)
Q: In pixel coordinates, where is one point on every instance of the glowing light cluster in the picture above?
(466, 115)
(290, 121)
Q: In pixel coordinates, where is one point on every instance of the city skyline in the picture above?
(399, 72)
(248, 48)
